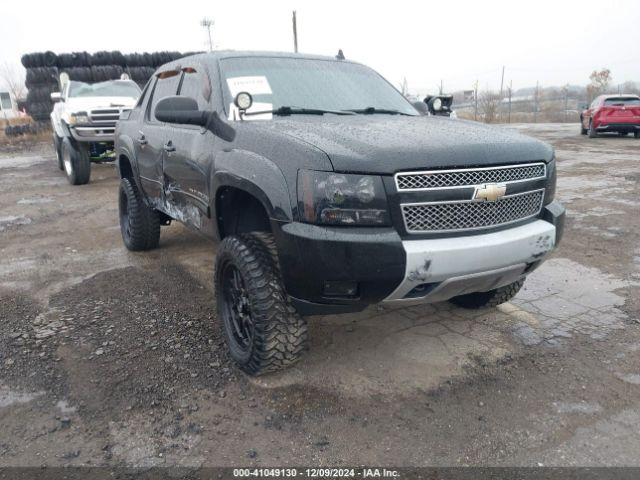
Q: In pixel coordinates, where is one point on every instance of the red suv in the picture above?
(612, 113)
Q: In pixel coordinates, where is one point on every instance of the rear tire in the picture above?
(489, 299)
(139, 224)
(592, 130)
(636, 134)
(76, 161)
(264, 332)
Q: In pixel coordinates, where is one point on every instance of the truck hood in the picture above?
(386, 144)
(82, 104)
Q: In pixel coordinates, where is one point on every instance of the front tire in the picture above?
(592, 130)
(57, 145)
(583, 131)
(139, 224)
(264, 332)
(489, 299)
(76, 161)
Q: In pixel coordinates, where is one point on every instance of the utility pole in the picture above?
(295, 32)
(535, 104)
(501, 93)
(566, 101)
(208, 23)
(510, 93)
(475, 100)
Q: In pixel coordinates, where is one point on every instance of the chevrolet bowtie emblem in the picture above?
(490, 192)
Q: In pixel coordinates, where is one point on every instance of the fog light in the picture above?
(340, 289)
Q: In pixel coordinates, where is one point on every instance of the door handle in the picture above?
(168, 147)
(142, 140)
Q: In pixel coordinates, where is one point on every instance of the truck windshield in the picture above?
(301, 83)
(114, 88)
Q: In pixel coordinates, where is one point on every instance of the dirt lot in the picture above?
(113, 358)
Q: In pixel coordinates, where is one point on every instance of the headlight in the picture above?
(338, 199)
(550, 191)
(437, 104)
(78, 118)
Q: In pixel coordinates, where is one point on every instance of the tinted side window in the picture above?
(165, 87)
(196, 85)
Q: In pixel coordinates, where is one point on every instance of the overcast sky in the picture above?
(456, 41)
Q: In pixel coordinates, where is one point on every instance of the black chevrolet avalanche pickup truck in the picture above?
(328, 192)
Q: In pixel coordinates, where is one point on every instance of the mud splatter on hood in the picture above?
(386, 144)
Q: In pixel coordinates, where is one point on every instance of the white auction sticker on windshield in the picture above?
(254, 85)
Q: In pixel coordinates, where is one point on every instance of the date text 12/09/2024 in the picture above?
(316, 472)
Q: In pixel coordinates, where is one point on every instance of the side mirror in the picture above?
(56, 96)
(184, 111)
(180, 110)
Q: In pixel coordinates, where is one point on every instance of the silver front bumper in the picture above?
(446, 267)
(93, 133)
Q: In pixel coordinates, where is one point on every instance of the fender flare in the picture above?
(256, 175)
(61, 129)
(126, 148)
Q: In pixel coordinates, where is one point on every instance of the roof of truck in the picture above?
(222, 54)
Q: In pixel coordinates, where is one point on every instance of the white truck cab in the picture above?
(84, 121)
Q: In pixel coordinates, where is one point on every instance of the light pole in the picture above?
(208, 23)
(294, 20)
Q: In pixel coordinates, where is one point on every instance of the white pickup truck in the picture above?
(83, 121)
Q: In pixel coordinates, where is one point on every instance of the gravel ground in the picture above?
(113, 358)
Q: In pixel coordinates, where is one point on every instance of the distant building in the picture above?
(7, 108)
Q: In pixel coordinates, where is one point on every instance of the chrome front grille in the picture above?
(440, 179)
(471, 214)
(106, 116)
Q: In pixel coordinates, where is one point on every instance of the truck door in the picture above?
(151, 138)
(186, 166)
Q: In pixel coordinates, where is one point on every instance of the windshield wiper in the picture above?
(372, 110)
(284, 111)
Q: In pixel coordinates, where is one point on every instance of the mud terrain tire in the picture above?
(139, 224)
(489, 299)
(264, 332)
(76, 162)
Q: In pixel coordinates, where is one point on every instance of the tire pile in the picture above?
(44, 69)
(26, 129)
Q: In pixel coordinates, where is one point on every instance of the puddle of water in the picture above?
(64, 407)
(10, 397)
(34, 200)
(22, 162)
(579, 407)
(13, 220)
(567, 298)
(632, 378)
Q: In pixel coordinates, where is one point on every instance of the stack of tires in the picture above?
(44, 69)
(42, 79)
(25, 129)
